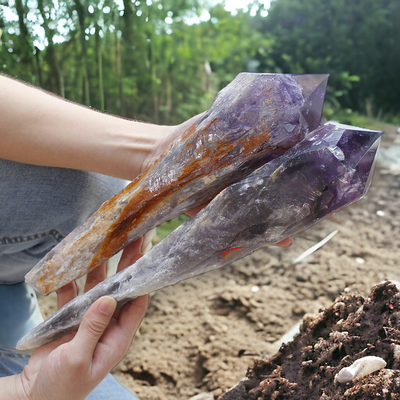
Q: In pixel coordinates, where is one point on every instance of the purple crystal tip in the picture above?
(314, 90)
(360, 148)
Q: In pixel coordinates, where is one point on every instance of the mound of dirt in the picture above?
(353, 327)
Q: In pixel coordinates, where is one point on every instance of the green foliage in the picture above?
(138, 59)
(356, 42)
(167, 227)
(164, 61)
(353, 118)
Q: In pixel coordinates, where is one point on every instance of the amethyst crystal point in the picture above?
(330, 169)
(253, 120)
(314, 89)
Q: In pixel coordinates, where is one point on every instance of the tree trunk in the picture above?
(119, 74)
(26, 44)
(38, 67)
(56, 72)
(80, 9)
(99, 56)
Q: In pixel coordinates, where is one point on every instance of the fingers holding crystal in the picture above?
(96, 276)
(66, 293)
(131, 254)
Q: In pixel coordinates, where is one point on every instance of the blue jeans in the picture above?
(39, 206)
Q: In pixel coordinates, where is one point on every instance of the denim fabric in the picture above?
(39, 206)
(19, 313)
(12, 363)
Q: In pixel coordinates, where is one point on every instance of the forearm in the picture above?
(10, 388)
(43, 129)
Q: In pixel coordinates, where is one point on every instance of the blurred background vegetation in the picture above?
(163, 61)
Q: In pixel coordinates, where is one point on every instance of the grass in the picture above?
(167, 227)
(353, 118)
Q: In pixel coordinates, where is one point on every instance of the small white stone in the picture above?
(360, 368)
(344, 376)
(380, 213)
(254, 289)
(360, 260)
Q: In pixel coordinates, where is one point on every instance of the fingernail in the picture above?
(107, 306)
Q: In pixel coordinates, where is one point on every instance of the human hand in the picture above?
(72, 366)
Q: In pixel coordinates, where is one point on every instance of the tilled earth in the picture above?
(352, 329)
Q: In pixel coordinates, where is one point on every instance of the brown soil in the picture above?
(350, 329)
(201, 335)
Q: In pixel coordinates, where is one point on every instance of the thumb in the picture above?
(93, 325)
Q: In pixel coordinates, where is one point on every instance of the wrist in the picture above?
(11, 388)
(134, 146)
